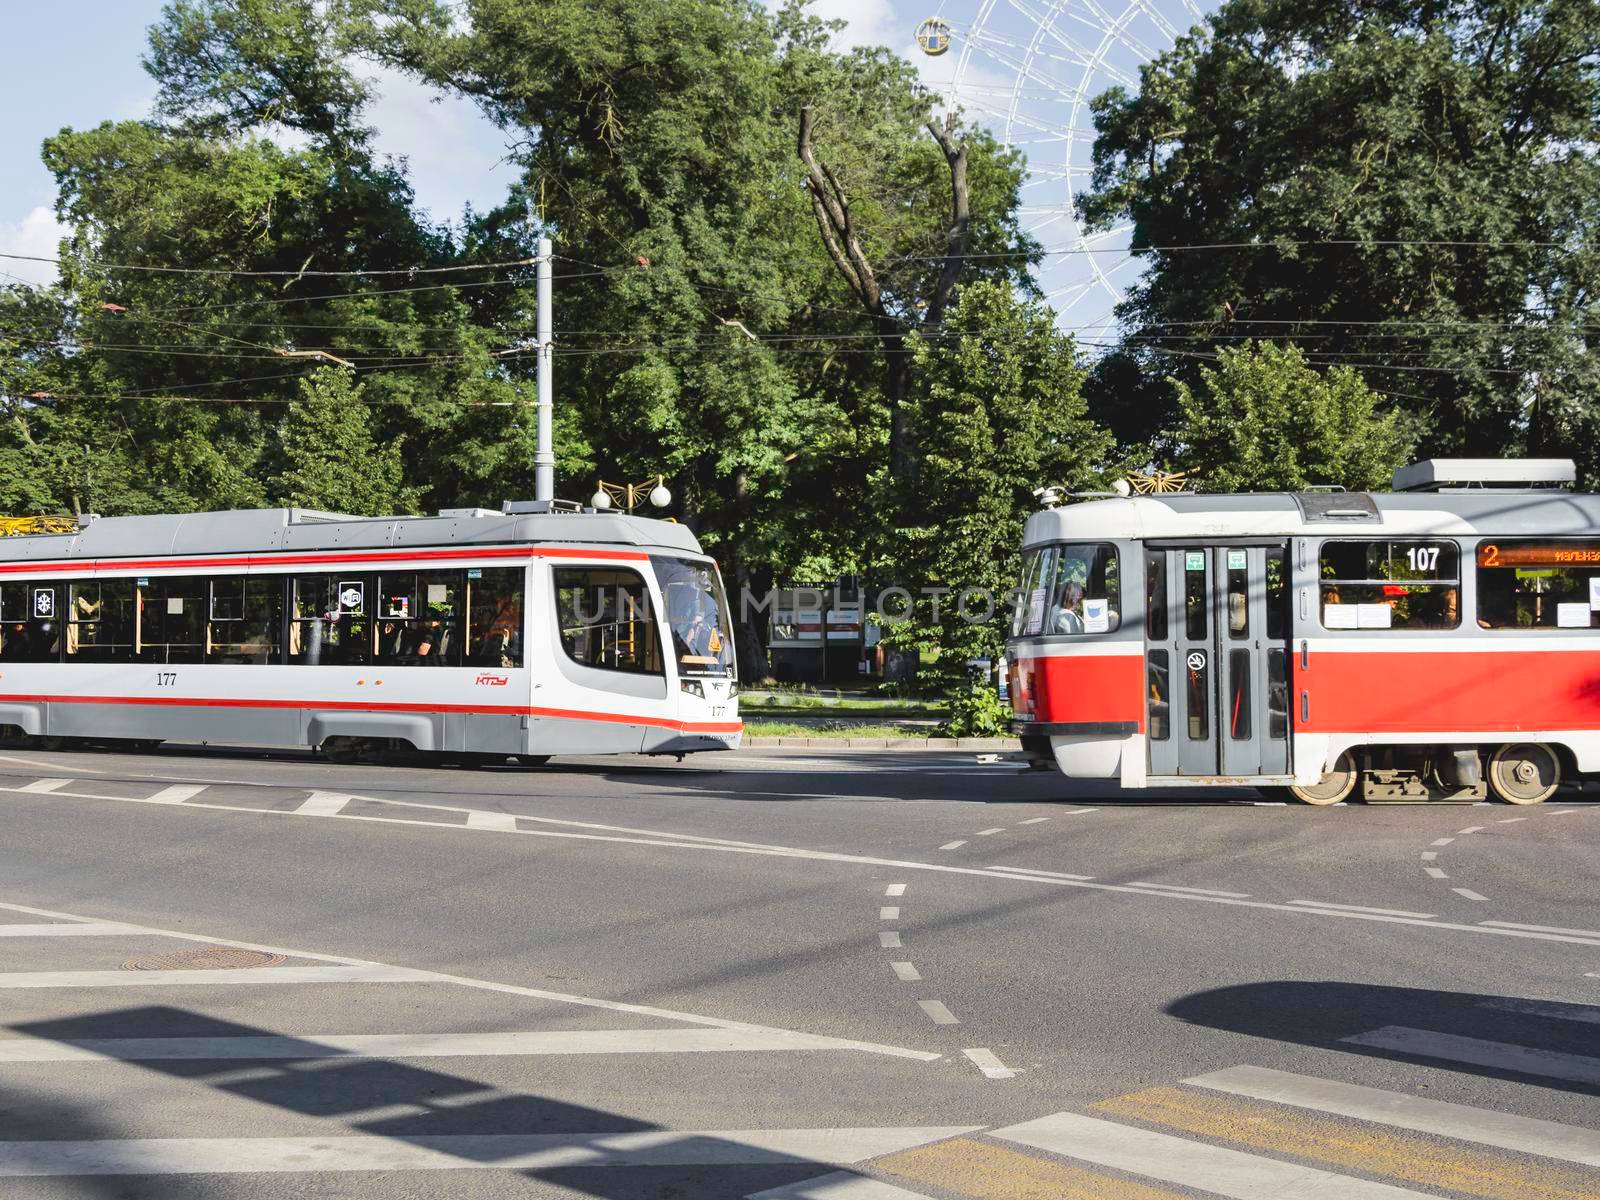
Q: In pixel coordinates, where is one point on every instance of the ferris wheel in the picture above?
(1028, 69)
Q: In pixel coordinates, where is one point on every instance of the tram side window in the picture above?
(1539, 584)
(100, 620)
(419, 617)
(1034, 594)
(1084, 592)
(606, 620)
(30, 621)
(329, 623)
(494, 616)
(245, 619)
(171, 625)
(1412, 584)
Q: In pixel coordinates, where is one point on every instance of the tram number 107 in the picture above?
(1423, 558)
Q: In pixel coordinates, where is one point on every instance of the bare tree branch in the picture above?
(960, 220)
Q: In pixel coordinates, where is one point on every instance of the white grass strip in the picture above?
(1524, 1135)
(839, 1185)
(895, 889)
(224, 977)
(71, 929)
(1594, 933)
(938, 1013)
(889, 912)
(985, 1060)
(1172, 887)
(1503, 1056)
(323, 804)
(504, 822)
(1388, 912)
(502, 1151)
(1190, 1163)
(177, 793)
(1469, 894)
(43, 785)
(1436, 873)
(409, 1045)
(952, 845)
(1538, 1008)
(889, 939)
(906, 972)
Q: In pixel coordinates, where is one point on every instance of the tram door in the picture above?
(1217, 658)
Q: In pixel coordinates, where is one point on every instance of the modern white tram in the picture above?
(528, 632)
(1436, 643)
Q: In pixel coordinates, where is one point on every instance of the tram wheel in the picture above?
(531, 760)
(1524, 773)
(1334, 785)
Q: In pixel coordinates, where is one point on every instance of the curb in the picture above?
(908, 743)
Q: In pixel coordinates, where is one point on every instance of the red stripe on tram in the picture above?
(1082, 689)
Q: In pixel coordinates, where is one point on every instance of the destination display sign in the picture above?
(1539, 554)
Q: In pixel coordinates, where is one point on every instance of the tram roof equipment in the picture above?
(1507, 474)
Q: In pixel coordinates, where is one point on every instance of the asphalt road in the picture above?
(782, 973)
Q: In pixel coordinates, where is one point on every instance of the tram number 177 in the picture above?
(1423, 558)
(166, 678)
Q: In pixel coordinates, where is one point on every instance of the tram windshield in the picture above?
(697, 615)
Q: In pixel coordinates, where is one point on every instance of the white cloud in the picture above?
(868, 23)
(39, 235)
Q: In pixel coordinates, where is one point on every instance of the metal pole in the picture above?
(544, 458)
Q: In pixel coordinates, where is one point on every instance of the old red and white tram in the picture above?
(526, 632)
(1438, 642)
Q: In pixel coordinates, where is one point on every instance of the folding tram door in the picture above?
(1217, 660)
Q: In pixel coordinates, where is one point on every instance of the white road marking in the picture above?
(1045, 874)
(937, 1013)
(323, 804)
(1509, 820)
(502, 1151)
(1441, 841)
(1594, 933)
(895, 889)
(1172, 887)
(466, 981)
(1436, 872)
(36, 763)
(1388, 912)
(70, 929)
(404, 1045)
(1429, 855)
(987, 832)
(1189, 1163)
(43, 785)
(177, 793)
(889, 912)
(225, 977)
(1078, 812)
(1525, 1135)
(1538, 1008)
(1469, 894)
(889, 939)
(985, 1061)
(1470, 829)
(1527, 1060)
(502, 821)
(1033, 820)
(906, 972)
(838, 1185)
(952, 845)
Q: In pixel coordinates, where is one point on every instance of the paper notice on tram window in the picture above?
(1374, 616)
(1096, 616)
(1572, 616)
(437, 593)
(1594, 591)
(1339, 616)
(175, 606)
(1035, 612)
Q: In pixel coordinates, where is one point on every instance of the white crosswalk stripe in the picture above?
(839, 1185)
(1552, 1064)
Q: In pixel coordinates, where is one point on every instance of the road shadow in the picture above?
(1501, 1037)
(604, 1154)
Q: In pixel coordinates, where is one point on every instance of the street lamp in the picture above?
(630, 495)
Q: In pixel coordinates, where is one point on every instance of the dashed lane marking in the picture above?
(889, 912)
(1526, 1060)
(937, 1012)
(984, 1059)
(987, 832)
(1469, 894)
(895, 889)
(1441, 841)
(1525, 1135)
(1470, 829)
(1509, 820)
(889, 939)
(44, 785)
(1033, 820)
(1436, 873)
(499, 1151)
(906, 972)
(952, 845)
(1172, 887)
(1388, 912)
(1429, 855)
(479, 819)
(1025, 871)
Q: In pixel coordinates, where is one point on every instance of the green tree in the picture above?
(998, 412)
(330, 458)
(1263, 419)
(1415, 190)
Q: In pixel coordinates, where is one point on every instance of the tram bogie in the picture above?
(1435, 644)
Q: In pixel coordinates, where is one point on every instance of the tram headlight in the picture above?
(692, 686)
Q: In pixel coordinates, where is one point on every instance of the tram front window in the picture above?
(697, 616)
